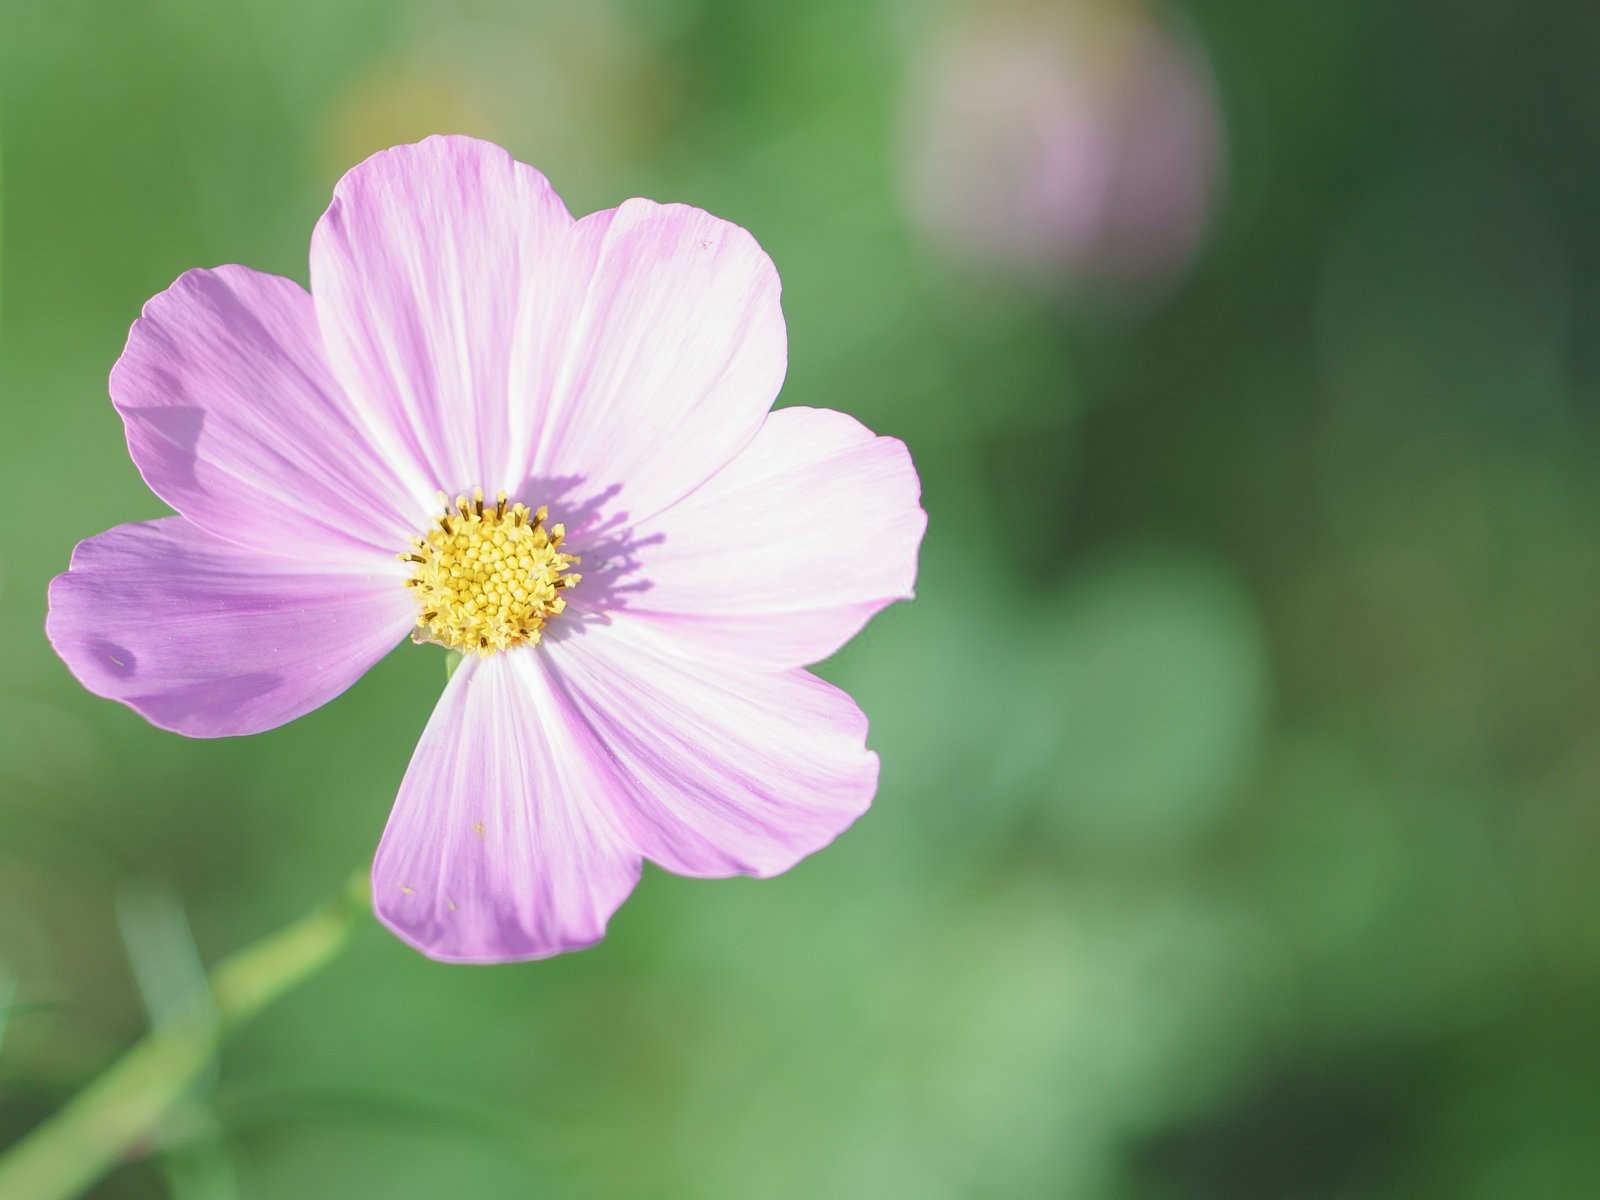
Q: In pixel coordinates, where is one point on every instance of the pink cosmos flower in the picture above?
(478, 395)
(1081, 140)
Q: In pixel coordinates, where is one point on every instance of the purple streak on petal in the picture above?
(209, 639)
(650, 353)
(233, 418)
(503, 844)
(419, 267)
(719, 770)
(783, 555)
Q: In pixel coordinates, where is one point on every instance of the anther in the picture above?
(488, 578)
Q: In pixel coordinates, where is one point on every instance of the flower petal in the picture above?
(783, 555)
(233, 419)
(653, 351)
(626, 356)
(719, 771)
(502, 845)
(210, 639)
(419, 267)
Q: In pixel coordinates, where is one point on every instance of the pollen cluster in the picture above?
(487, 578)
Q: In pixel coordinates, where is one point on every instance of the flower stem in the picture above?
(72, 1149)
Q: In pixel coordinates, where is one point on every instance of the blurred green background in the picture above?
(1238, 815)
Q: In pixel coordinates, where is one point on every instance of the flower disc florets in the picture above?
(488, 578)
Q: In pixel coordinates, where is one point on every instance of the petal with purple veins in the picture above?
(719, 770)
(502, 844)
(234, 419)
(782, 556)
(209, 639)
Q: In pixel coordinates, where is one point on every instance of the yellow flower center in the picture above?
(488, 578)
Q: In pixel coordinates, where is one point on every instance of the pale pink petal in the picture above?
(622, 358)
(503, 843)
(210, 639)
(784, 554)
(419, 267)
(649, 355)
(234, 419)
(717, 770)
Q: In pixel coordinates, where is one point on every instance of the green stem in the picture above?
(81, 1142)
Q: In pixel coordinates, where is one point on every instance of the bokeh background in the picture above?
(1238, 819)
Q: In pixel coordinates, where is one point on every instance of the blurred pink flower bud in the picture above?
(1076, 144)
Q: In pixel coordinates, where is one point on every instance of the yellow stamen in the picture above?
(488, 579)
